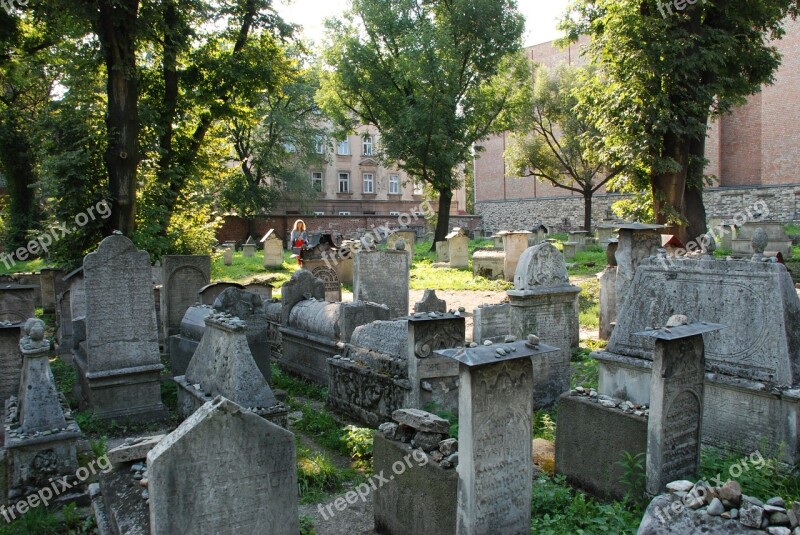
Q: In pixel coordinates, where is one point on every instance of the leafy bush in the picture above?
(359, 442)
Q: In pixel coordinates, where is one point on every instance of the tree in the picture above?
(554, 144)
(666, 71)
(432, 77)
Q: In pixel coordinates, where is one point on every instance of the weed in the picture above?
(634, 477)
(295, 386)
(359, 441)
(544, 424)
(307, 525)
(99, 447)
(316, 475)
(435, 408)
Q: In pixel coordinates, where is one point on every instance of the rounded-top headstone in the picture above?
(540, 266)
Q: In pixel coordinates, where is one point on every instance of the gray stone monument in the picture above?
(382, 277)
(489, 263)
(490, 322)
(17, 302)
(494, 437)
(77, 307)
(249, 307)
(119, 365)
(40, 439)
(224, 470)
(608, 293)
(183, 276)
(676, 402)
(543, 302)
(458, 249)
(51, 281)
(249, 248)
(183, 345)
(333, 287)
(430, 303)
(514, 244)
(227, 255)
(10, 360)
(273, 249)
(209, 293)
(637, 241)
(442, 251)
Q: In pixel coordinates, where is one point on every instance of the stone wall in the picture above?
(566, 213)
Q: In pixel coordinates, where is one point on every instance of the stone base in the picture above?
(181, 351)
(119, 507)
(421, 500)
(745, 248)
(123, 394)
(306, 354)
(590, 439)
(190, 399)
(729, 407)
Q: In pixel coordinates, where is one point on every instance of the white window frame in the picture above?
(343, 148)
(345, 181)
(318, 177)
(344, 213)
(319, 145)
(394, 185)
(368, 183)
(418, 189)
(319, 213)
(367, 145)
(394, 214)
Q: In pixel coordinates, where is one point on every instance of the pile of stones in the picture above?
(139, 476)
(425, 431)
(611, 403)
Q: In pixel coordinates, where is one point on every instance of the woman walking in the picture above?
(298, 239)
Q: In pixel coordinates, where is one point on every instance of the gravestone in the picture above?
(119, 365)
(249, 248)
(183, 345)
(224, 470)
(570, 249)
(408, 236)
(579, 237)
(490, 322)
(209, 293)
(64, 324)
(606, 233)
(608, 301)
(382, 277)
(543, 302)
(40, 440)
(227, 255)
(10, 360)
(260, 287)
(77, 306)
(273, 249)
(183, 276)
(494, 437)
(514, 244)
(442, 251)
(249, 307)
(777, 240)
(538, 235)
(458, 249)
(51, 281)
(430, 303)
(637, 241)
(17, 302)
(333, 288)
(489, 264)
(676, 402)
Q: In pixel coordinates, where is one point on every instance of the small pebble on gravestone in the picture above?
(681, 485)
(715, 508)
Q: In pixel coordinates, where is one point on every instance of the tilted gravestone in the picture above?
(119, 365)
(382, 277)
(224, 470)
(543, 302)
(182, 276)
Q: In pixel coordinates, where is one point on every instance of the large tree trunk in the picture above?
(694, 209)
(116, 30)
(587, 211)
(669, 187)
(443, 219)
(18, 165)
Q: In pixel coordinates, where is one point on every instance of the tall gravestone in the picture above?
(543, 302)
(183, 276)
(608, 293)
(77, 307)
(249, 307)
(494, 437)
(458, 249)
(333, 287)
(382, 277)
(637, 241)
(227, 255)
(224, 470)
(17, 302)
(64, 324)
(119, 365)
(676, 402)
(514, 244)
(273, 249)
(51, 281)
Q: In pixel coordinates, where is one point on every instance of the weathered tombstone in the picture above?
(407, 235)
(183, 276)
(273, 249)
(606, 233)
(224, 470)
(608, 293)
(209, 293)
(249, 248)
(489, 263)
(249, 307)
(430, 303)
(458, 249)
(570, 249)
(494, 437)
(514, 244)
(10, 359)
(227, 256)
(183, 345)
(490, 322)
(64, 325)
(40, 440)
(538, 235)
(119, 366)
(579, 237)
(51, 281)
(17, 302)
(543, 302)
(676, 402)
(77, 306)
(442, 251)
(333, 288)
(260, 287)
(777, 240)
(382, 277)
(637, 241)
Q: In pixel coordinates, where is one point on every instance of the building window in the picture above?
(344, 182)
(316, 181)
(290, 147)
(319, 145)
(417, 189)
(394, 213)
(366, 144)
(344, 213)
(319, 213)
(369, 183)
(344, 148)
(394, 184)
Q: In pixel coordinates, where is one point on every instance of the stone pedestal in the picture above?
(514, 244)
(382, 277)
(458, 249)
(494, 437)
(676, 404)
(608, 301)
(273, 249)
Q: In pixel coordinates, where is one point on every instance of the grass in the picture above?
(295, 386)
(317, 475)
(585, 370)
(244, 270)
(589, 303)
(590, 261)
(27, 266)
(758, 476)
(424, 275)
(544, 423)
(41, 521)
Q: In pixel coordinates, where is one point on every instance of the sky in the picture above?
(540, 15)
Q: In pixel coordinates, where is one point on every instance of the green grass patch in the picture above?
(65, 377)
(792, 228)
(424, 275)
(589, 303)
(295, 386)
(41, 521)
(317, 475)
(450, 416)
(28, 266)
(585, 370)
(759, 476)
(243, 270)
(590, 261)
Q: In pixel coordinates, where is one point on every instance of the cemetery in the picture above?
(420, 272)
